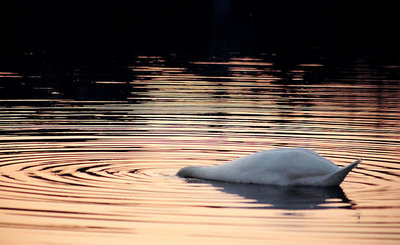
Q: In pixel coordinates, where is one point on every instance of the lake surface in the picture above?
(90, 156)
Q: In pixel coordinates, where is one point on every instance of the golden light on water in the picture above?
(101, 172)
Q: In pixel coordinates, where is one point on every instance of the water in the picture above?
(95, 162)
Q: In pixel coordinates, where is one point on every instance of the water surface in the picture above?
(90, 157)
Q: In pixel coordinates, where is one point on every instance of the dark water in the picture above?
(89, 156)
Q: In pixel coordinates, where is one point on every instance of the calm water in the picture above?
(94, 162)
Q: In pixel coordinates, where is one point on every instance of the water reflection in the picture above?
(98, 149)
(284, 197)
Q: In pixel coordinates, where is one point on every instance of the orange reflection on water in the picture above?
(9, 74)
(103, 172)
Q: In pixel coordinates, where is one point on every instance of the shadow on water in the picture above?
(285, 197)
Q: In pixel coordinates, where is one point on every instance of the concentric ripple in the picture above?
(102, 172)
